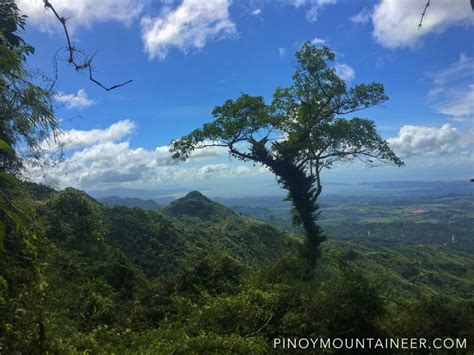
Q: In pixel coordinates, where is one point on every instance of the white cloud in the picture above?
(190, 25)
(396, 21)
(223, 170)
(318, 41)
(453, 89)
(101, 158)
(345, 72)
(75, 139)
(461, 105)
(420, 140)
(314, 6)
(362, 17)
(112, 164)
(256, 12)
(78, 100)
(81, 13)
(282, 52)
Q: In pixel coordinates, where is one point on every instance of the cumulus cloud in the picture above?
(81, 13)
(345, 72)
(314, 6)
(112, 164)
(453, 89)
(396, 21)
(101, 157)
(190, 25)
(78, 100)
(420, 140)
(75, 139)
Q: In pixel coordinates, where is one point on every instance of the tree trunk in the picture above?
(302, 194)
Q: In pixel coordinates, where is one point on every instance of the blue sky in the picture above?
(187, 56)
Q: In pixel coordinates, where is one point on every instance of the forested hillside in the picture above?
(241, 237)
(197, 277)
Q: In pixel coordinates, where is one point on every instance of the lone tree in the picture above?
(302, 132)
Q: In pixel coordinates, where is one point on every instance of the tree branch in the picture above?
(239, 153)
(87, 64)
(423, 14)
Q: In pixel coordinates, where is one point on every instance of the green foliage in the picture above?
(26, 120)
(5, 148)
(209, 272)
(148, 239)
(349, 306)
(217, 227)
(299, 134)
(27, 117)
(196, 205)
(75, 220)
(125, 280)
(434, 317)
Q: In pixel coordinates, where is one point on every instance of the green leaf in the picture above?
(9, 179)
(5, 147)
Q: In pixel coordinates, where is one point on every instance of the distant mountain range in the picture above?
(129, 202)
(331, 191)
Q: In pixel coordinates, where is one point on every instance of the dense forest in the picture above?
(198, 277)
(80, 275)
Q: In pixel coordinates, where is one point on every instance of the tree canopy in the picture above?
(27, 116)
(301, 132)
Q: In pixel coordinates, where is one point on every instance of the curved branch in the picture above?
(71, 50)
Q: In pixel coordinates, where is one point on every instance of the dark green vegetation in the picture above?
(197, 277)
(302, 132)
(224, 230)
(26, 115)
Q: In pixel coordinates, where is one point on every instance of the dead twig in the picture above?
(87, 64)
(428, 2)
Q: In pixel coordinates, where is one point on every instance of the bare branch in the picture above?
(87, 64)
(423, 14)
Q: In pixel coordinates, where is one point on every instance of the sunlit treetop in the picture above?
(305, 118)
